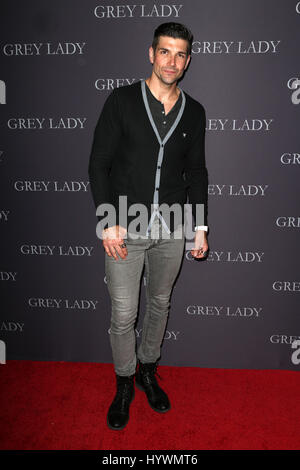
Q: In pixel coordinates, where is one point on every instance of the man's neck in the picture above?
(163, 92)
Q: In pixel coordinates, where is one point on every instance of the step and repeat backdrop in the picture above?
(238, 308)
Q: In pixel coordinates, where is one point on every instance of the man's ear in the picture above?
(187, 62)
(151, 54)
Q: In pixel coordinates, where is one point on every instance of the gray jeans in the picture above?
(162, 259)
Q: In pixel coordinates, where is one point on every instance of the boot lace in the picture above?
(148, 370)
(124, 390)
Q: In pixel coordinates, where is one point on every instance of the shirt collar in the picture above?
(155, 100)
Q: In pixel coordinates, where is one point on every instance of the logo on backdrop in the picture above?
(173, 335)
(288, 222)
(2, 92)
(47, 186)
(108, 84)
(43, 48)
(68, 123)
(237, 189)
(294, 84)
(293, 341)
(4, 216)
(78, 304)
(12, 326)
(298, 8)
(47, 250)
(8, 276)
(286, 286)
(283, 339)
(290, 158)
(223, 311)
(235, 47)
(242, 125)
(231, 256)
(140, 11)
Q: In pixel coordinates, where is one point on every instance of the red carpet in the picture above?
(63, 405)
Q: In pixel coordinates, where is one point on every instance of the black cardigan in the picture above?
(124, 156)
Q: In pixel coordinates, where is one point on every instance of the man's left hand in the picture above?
(200, 249)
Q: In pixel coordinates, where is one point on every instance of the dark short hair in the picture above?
(173, 30)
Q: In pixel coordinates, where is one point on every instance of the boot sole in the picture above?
(119, 428)
(140, 387)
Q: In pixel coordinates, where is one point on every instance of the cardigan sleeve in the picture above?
(105, 141)
(196, 173)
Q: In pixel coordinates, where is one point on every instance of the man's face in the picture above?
(170, 59)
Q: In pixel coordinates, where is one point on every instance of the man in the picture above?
(148, 146)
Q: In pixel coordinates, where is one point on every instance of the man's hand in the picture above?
(112, 239)
(200, 245)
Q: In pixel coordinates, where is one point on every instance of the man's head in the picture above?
(173, 30)
(170, 52)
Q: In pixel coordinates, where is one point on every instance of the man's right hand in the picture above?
(112, 239)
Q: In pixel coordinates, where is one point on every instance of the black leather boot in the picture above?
(118, 413)
(146, 381)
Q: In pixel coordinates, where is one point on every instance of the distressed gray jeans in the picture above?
(162, 259)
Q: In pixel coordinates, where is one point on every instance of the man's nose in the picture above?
(172, 60)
